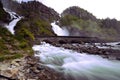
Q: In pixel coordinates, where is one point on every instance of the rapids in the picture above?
(78, 66)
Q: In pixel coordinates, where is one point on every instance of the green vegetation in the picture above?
(85, 25)
(10, 47)
(9, 57)
(34, 23)
(67, 20)
(89, 27)
(26, 29)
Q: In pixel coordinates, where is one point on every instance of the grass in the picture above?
(12, 48)
(9, 57)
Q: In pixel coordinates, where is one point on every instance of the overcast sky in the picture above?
(99, 8)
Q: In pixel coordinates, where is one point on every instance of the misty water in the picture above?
(59, 31)
(77, 66)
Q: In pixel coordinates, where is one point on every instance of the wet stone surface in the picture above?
(108, 52)
(28, 68)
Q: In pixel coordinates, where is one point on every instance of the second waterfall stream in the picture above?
(59, 31)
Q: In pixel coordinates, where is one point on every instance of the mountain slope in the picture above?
(31, 9)
(36, 21)
(10, 47)
(4, 17)
(79, 13)
(79, 22)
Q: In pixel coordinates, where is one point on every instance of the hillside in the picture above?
(37, 19)
(4, 17)
(79, 22)
(36, 43)
(10, 47)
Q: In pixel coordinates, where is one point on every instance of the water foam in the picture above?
(59, 31)
(77, 66)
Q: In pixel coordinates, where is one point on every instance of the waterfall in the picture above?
(78, 66)
(59, 31)
(15, 18)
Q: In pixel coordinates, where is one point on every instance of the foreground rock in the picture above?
(28, 68)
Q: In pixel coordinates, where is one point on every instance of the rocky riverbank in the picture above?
(27, 68)
(31, 68)
(105, 50)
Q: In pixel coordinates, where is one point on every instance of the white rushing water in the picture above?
(110, 45)
(59, 31)
(23, 0)
(15, 18)
(77, 66)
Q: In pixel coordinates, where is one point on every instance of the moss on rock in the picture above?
(10, 47)
(27, 29)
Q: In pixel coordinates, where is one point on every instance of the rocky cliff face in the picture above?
(32, 9)
(4, 17)
(36, 21)
(35, 9)
(79, 12)
(79, 22)
(111, 23)
(10, 46)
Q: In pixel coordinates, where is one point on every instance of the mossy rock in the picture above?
(10, 47)
(27, 29)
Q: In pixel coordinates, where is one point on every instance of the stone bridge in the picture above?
(66, 39)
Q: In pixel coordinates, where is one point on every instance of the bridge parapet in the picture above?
(66, 39)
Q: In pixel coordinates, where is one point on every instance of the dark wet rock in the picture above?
(118, 44)
(109, 53)
(40, 72)
(4, 16)
(30, 68)
(118, 58)
(66, 39)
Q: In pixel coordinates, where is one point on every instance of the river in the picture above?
(77, 66)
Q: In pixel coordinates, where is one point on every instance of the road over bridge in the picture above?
(66, 39)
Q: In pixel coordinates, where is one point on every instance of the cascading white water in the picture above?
(59, 31)
(111, 45)
(23, 0)
(77, 66)
(13, 23)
